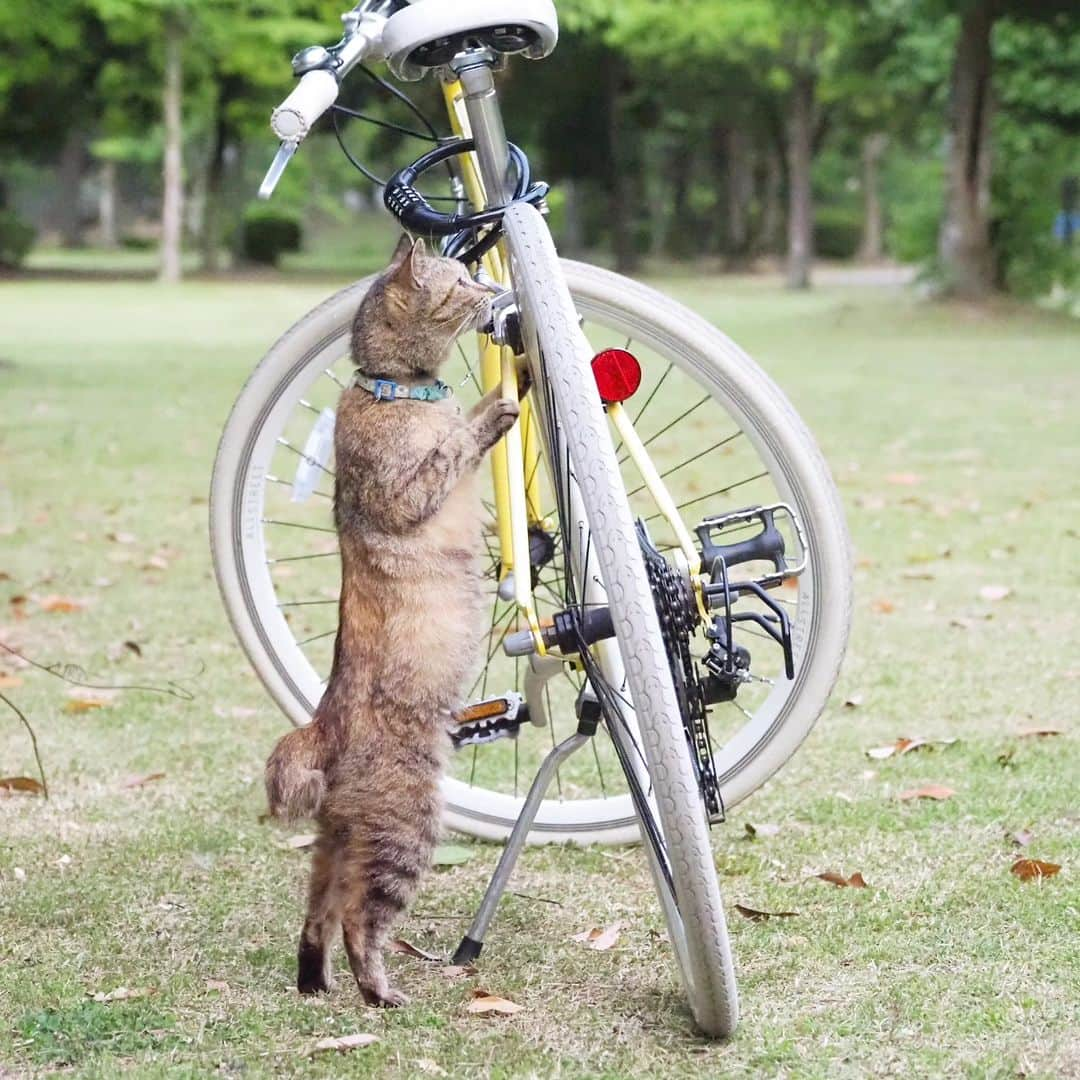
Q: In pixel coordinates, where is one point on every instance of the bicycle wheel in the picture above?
(634, 684)
(712, 420)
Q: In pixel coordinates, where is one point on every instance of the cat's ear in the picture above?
(407, 269)
(401, 252)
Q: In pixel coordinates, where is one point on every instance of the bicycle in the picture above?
(607, 610)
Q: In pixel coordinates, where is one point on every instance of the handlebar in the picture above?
(321, 71)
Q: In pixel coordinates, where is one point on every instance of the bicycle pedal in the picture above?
(488, 720)
(766, 546)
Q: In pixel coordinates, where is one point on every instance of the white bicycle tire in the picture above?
(737, 383)
(696, 917)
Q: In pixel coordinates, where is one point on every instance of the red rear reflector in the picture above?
(617, 374)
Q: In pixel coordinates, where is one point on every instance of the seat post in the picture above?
(476, 72)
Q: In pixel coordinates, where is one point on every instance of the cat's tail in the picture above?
(295, 781)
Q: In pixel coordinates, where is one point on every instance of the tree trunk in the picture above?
(740, 190)
(172, 203)
(68, 213)
(800, 195)
(964, 241)
(109, 237)
(623, 186)
(872, 245)
(572, 238)
(772, 200)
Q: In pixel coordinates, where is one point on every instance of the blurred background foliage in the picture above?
(739, 132)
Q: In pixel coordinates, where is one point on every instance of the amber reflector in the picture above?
(617, 374)
(482, 710)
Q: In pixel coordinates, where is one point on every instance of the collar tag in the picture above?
(389, 390)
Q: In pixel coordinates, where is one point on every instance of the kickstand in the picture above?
(473, 941)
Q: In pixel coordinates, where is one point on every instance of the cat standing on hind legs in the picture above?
(408, 517)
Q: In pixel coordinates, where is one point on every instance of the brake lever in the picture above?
(277, 167)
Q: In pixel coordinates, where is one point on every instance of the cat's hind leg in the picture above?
(386, 875)
(314, 973)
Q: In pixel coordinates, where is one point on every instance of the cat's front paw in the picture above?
(498, 420)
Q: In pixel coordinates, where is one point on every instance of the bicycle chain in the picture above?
(679, 618)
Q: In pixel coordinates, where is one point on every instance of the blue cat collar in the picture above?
(389, 390)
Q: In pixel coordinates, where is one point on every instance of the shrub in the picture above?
(16, 239)
(837, 232)
(267, 233)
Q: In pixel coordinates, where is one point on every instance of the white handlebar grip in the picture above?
(314, 94)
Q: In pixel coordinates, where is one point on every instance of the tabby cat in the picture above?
(408, 516)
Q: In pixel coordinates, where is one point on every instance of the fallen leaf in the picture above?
(139, 781)
(994, 592)
(856, 880)
(903, 479)
(301, 841)
(853, 702)
(763, 916)
(9, 682)
(930, 791)
(905, 746)
(26, 784)
(218, 985)
(599, 939)
(133, 647)
(484, 1003)
(918, 575)
(451, 855)
(81, 701)
(883, 607)
(407, 948)
(156, 562)
(344, 1042)
(1030, 869)
(5, 576)
(121, 537)
(458, 971)
(1022, 838)
(122, 993)
(1037, 732)
(763, 829)
(61, 603)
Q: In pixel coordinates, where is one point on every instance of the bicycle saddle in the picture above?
(429, 33)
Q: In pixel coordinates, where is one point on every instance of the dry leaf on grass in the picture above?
(903, 479)
(81, 701)
(763, 916)
(904, 746)
(25, 784)
(484, 1003)
(929, 791)
(458, 971)
(856, 881)
(883, 607)
(761, 829)
(598, 939)
(301, 841)
(853, 701)
(156, 562)
(407, 948)
(121, 537)
(1022, 838)
(1031, 869)
(122, 993)
(139, 781)
(344, 1042)
(994, 592)
(1038, 732)
(9, 682)
(61, 603)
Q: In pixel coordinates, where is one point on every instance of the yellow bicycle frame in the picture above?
(515, 459)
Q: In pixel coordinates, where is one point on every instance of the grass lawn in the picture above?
(953, 434)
